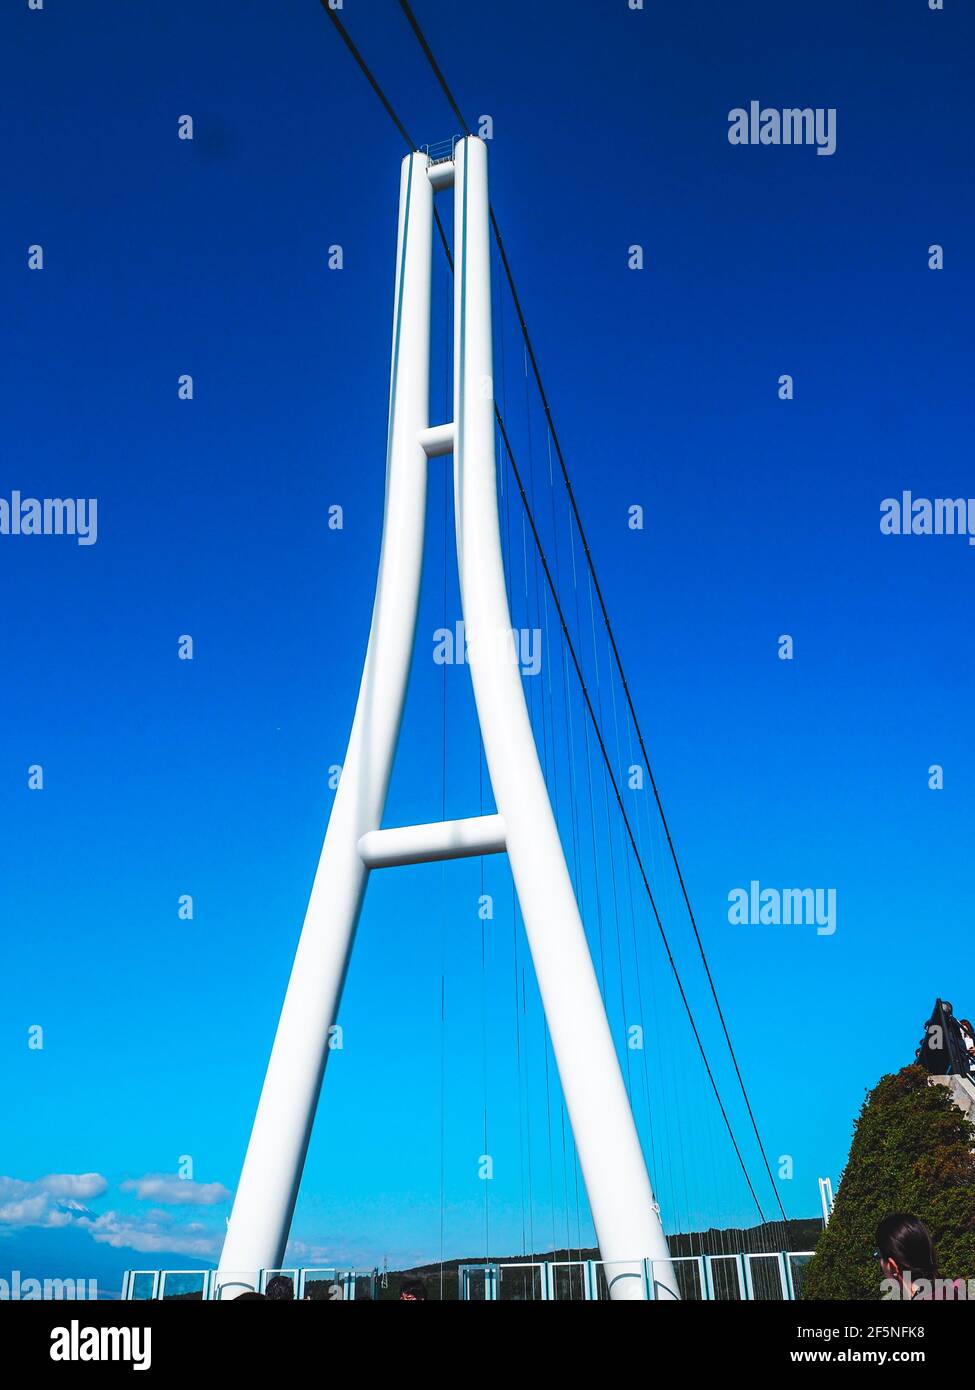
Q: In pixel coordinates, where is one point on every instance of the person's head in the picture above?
(966, 1025)
(279, 1287)
(905, 1248)
(249, 1293)
(413, 1291)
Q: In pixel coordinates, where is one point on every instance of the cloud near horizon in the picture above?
(151, 1236)
(56, 1201)
(50, 1201)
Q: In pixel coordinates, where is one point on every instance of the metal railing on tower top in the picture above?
(439, 150)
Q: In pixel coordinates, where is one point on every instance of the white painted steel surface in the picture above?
(422, 844)
(265, 1198)
(626, 1217)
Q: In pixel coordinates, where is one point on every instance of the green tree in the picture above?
(912, 1152)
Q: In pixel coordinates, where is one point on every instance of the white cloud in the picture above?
(46, 1201)
(176, 1191)
(134, 1233)
(32, 1211)
(74, 1184)
(53, 1202)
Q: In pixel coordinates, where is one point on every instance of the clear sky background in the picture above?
(164, 777)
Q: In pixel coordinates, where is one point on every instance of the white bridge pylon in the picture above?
(625, 1215)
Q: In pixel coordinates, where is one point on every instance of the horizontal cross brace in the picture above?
(437, 440)
(441, 174)
(425, 844)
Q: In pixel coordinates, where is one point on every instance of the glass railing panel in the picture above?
(185, 1285)
(322, 1286)
(724, 1272)
(142, 1284)
(688, 1273)
(360, 1286)
(765, 1272)
(798, 1264)
(569, 1281)
(479, 1283)
(521, 1283)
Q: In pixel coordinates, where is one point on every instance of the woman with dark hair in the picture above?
(906, 1254)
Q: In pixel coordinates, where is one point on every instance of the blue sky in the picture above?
(164, 777)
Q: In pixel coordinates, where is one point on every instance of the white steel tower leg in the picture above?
(265, 1199)
(624, 1212)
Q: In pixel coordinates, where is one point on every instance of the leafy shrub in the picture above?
(912, 1152)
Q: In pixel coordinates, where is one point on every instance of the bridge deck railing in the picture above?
(746, 1277)
(330, 1284)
